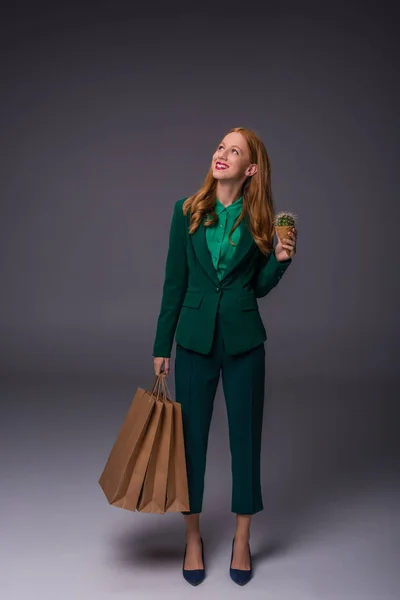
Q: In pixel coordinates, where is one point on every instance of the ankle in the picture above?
(242, 536)
(193, 536)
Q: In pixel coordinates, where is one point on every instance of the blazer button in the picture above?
(217, 289)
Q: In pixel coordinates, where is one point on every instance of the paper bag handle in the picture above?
(164, 385)
(161, 384)
(158, 389)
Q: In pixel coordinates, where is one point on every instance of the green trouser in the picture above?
(243, 377)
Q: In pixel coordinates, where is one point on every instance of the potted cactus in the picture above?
(283, 222)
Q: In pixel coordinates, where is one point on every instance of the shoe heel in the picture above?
(240, 576)
(194, 576)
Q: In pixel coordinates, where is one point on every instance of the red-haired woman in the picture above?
(221, 258)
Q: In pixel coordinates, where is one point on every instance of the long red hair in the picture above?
(256, 192)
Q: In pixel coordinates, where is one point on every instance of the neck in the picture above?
(227, 192)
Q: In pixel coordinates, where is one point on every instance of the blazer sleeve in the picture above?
(269, 274)
(175, 284)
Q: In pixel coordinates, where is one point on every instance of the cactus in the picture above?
(285, 219)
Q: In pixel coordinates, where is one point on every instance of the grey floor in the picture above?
(330, 529)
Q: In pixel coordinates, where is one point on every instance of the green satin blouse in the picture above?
(217, 236)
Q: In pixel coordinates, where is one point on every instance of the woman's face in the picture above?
(231, 160)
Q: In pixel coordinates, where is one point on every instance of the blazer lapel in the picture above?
(245, 243)
(200, 247)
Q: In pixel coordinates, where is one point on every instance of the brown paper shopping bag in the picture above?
(154, 490)
(175, 498)
(123, 474)
(177, 484)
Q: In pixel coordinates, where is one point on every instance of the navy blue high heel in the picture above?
(194, 576)
(240, 576)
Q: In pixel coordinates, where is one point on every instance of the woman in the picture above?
(220, 259)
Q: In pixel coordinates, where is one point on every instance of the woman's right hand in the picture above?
(159, 363)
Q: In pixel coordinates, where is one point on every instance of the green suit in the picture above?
(210, 298)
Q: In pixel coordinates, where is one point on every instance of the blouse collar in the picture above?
(234, 209)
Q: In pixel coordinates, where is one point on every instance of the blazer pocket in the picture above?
(192, 299)
(248, 302)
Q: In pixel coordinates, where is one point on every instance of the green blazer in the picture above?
(192, 294)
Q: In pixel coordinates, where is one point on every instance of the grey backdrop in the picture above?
(111, 113)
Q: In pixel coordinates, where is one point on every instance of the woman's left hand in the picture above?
(286, 248)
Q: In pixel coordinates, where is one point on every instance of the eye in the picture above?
(234, 149)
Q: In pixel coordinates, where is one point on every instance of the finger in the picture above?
(289, 248)
(158, 368)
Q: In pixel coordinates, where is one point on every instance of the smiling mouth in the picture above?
(220, 166)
